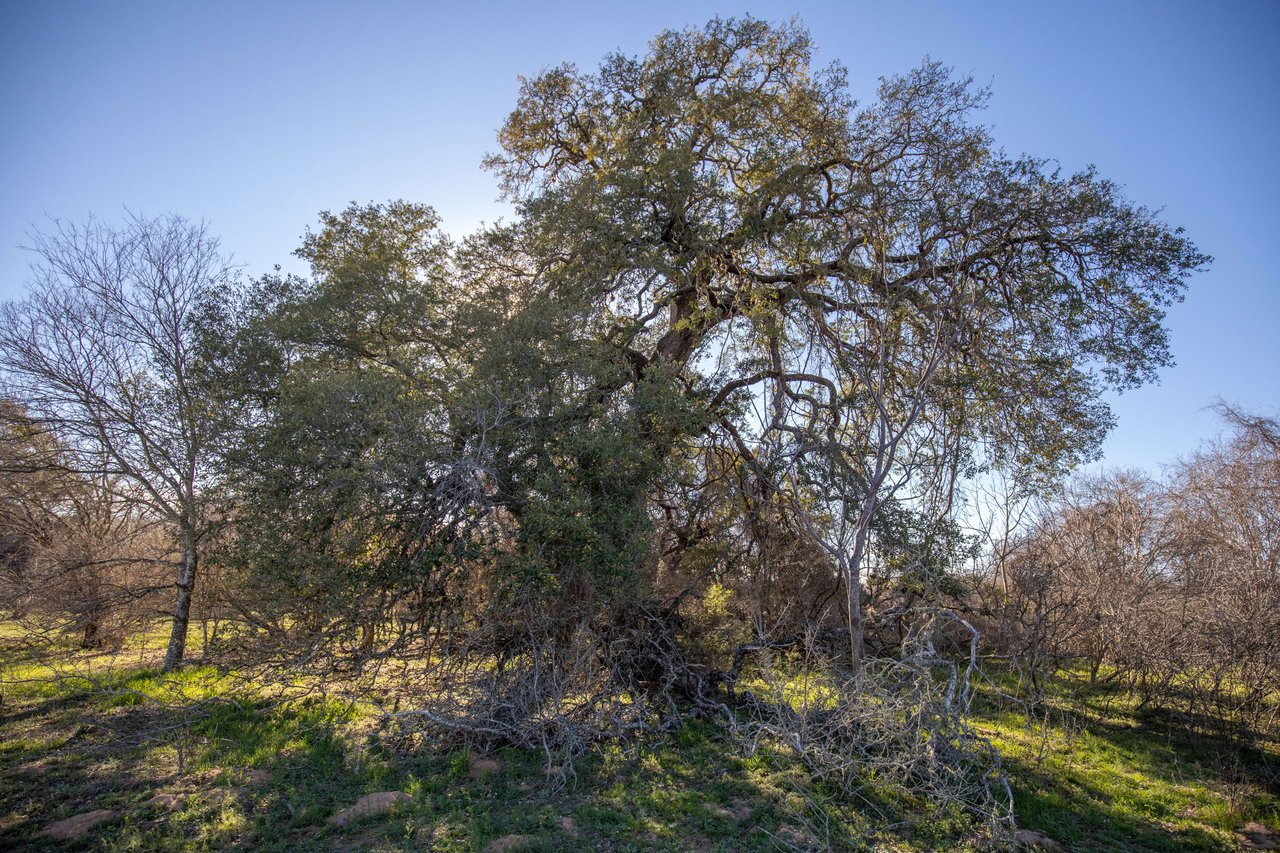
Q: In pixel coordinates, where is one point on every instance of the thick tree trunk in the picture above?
(182, 605)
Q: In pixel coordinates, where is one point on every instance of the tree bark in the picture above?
(182, 605)
(853, 589)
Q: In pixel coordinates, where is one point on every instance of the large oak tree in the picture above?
(864, 301)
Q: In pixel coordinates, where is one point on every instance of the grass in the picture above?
(1099, 773)
(691, 791)
(262, 774)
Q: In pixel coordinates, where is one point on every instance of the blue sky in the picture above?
(255, 116)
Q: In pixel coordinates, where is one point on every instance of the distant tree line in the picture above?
(1167, 587)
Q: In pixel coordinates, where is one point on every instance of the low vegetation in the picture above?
(200, 760)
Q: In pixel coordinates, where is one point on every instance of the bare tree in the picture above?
(1223, 547)
(102, 352)
(1169, 587)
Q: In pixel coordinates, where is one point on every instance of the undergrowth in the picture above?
(259, 770)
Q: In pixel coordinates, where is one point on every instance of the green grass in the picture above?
(1103, 775)
(259, 773)
(294, 764)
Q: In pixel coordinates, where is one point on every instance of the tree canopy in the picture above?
(720, 265)
(859, 299)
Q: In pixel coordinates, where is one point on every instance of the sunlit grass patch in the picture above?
(804, 689)
(263, 768)
(1099, 776)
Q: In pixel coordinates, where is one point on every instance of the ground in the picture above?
(260, 774)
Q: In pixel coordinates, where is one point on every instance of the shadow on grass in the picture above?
(1087, 816)
(1141, 781)
(268, 777)
(70, 754)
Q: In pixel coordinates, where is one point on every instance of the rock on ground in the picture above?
(509, 844)
(1255, 836)
(376, 803)
(1029, 839)
(77, 826)
(168, 802)
(481, 767)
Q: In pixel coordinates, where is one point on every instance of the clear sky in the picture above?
(255, 116)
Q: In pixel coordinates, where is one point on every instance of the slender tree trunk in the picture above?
(182, 605)
(853, 571)
(853, 590)
(89, 638)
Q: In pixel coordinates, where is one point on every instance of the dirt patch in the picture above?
(1255, 836)
(369, 805)
(167, 802)
(791, 835)
(481, 767)
(738, 810)
(234, 794)
(510, 844)
(250, 777)
(1029, 839)
(78, 826)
